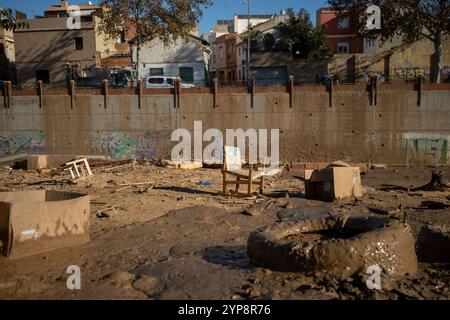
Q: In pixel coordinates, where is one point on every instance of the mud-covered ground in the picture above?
(175, 237)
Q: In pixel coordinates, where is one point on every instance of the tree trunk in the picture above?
(437, 65)
(438, 182)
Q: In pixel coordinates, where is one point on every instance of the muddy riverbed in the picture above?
(175, 237)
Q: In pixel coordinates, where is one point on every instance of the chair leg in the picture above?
(250, 186)
(237, 184)
(261, 187)
(224, 183)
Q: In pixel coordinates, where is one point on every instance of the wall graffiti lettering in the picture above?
(121, 146)
(428, 147)
(23, 142)
(411, 73)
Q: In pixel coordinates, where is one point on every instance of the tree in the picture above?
(269, 41)
(305, 39)
(256, 39)
(167, 20)
(410, 19)
(8, 22)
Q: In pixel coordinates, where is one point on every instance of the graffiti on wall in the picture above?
(121, 146)
(411, 73)
(445, 73)
(428, 147)
(22, 142)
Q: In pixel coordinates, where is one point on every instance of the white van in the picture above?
(164, 82)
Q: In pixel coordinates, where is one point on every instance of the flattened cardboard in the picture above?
(33, 222)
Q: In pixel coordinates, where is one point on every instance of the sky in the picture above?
(220, 10)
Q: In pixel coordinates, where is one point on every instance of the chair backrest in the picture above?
(232, 158)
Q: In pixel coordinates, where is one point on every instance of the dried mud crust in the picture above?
(340, 246)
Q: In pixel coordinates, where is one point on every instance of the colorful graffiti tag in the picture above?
(411, 73)
(120, 146)
(23, 142)
(445, 72)
(431, 148)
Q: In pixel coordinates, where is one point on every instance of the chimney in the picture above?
(64, 3)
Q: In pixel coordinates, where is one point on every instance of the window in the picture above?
(169, 81)
(156, 72)
(187, 74)
(156, 80)
(343, 23)
(43, 75)
(343, 47)
(78, 43)
(370, 43)
(221, 53)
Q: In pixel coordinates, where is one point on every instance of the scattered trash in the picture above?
(205, 183)
(181, 165)
(378, 166)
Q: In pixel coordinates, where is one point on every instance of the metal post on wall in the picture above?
(105, 87)
(373, 91)
(252, 92)
(419, 90)
(72, 92)
(330, 92)
(7, 94)
(291, 91)
(215, 92)
(139, 92)
(40, 92)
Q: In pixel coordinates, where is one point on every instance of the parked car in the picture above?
(164, 82)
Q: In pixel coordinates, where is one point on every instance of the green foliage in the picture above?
(8, 22)
(305, 39)
(164, 19)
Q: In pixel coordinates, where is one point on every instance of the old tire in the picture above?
(336, 245)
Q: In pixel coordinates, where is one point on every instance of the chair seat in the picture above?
(245, 174)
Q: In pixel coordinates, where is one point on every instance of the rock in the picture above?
(121, 279)
(255, 293)
(253, 212)
(384, 210)
(434, 243)
(102, 215)
(146, 284)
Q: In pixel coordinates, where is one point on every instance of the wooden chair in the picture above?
(232, 166)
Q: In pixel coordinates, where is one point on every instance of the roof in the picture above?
(64, 8)
(255, 16)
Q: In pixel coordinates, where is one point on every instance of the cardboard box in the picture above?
(33, 222)
(333, 183)
(37, 162)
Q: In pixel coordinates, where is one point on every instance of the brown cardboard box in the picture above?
(333, 183)
(33, 222)
(37, 162)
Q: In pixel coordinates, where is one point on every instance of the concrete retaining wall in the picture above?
(396, 131)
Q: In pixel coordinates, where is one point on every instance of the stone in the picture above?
(253, 212)
(121, 279)
(146, 284)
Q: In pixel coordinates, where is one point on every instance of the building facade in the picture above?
(7, 56)
(339, 33)
(184, 58)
